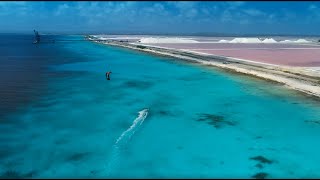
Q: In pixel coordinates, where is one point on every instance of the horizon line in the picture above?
(167, 34)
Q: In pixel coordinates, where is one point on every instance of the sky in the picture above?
(163, 17)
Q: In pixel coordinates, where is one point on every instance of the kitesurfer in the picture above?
(108, 75)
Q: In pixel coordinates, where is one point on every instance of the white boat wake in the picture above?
(125, 137)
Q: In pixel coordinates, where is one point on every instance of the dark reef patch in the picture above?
(262, 159)
(180, 147)
(216, 121)
(314, 121)
(30, 174)
(61, 141)
(228, 104)
(260, 175)
(6, 152)
(12, 174)
(138, 84)
(163, 112)
(164, 106)
(116, 95)
(260, 166)
(77, 156)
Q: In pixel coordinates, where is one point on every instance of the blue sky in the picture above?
(162, 17)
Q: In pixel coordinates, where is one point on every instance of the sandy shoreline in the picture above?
(303, 79)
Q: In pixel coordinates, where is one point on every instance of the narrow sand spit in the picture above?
(303, 79)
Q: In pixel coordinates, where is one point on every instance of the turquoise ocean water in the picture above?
(156, 118)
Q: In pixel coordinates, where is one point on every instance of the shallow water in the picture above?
(202, 122)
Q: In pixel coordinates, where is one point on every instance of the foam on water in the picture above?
(124, 138)
(126, 135)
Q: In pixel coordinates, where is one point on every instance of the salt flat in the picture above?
(287, 51)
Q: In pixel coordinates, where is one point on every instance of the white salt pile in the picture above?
(287, 41)
(257, 40)
(269, 40)
(245, 40)
(124, 37)
(302, 41)
(296, 41)
(166, 40)
(223, 41)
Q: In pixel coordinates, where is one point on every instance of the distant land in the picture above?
(213, 34)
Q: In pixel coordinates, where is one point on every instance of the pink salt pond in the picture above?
(278, 54)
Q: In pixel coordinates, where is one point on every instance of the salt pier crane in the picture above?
(37, 37)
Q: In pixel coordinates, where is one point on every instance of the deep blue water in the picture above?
(61, 118)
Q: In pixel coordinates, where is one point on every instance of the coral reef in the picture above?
(216, 121)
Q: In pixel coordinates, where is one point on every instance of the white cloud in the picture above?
(235, 4)
(183, 5)
(158, 6)
(16, 8)
(192, 13)
(153, 15)
(226, 16)
(290, 15)
(13, 3)
(205, 12)
(270, 19)
(313, 7)
(61, 9)
(244, 22)
(314, 14)
(254, 12)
